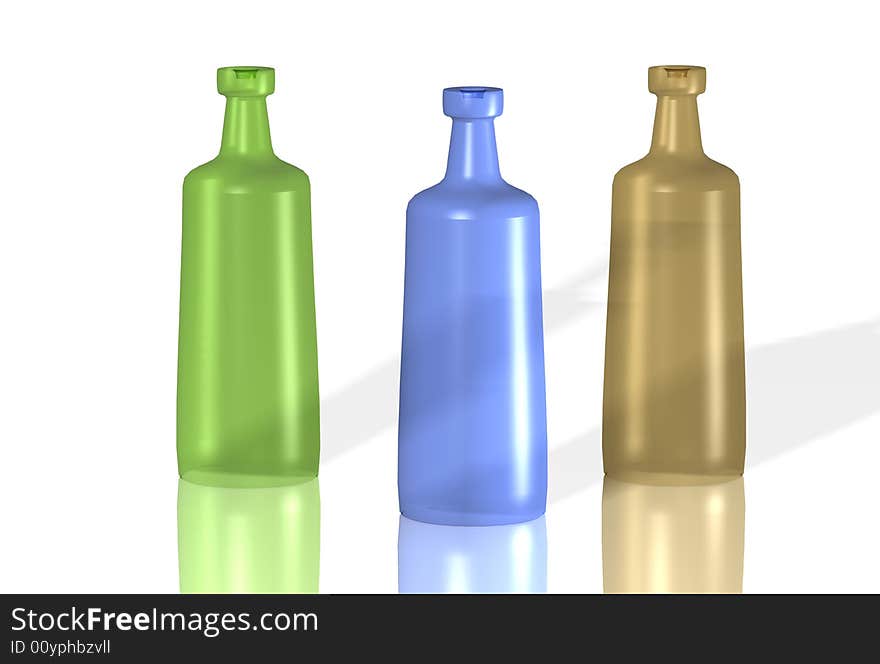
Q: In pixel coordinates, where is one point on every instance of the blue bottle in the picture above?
(473, 430)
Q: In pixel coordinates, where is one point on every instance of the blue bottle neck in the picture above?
(473, 155)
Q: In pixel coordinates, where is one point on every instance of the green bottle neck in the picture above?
(246, 127)
(677, 126)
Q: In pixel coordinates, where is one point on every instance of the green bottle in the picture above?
(247, 391)
(262, 540)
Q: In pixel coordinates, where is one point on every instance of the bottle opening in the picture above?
(676, 72)
(245, 73)
(473, 92)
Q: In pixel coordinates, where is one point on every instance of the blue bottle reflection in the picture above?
(472, 559)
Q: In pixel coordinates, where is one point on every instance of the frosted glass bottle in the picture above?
(247, 397)
(472, 435)
(674, 406)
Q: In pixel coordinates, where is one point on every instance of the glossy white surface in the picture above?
(113, 105)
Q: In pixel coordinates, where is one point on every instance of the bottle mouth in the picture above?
(677, 80)
(473, 102)
(245, 81)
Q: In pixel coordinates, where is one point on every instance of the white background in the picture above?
(105, 107)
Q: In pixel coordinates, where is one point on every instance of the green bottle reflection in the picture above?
(249, 540)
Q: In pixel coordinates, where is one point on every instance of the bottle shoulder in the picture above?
(248, 173)
(465, 201)
(657, 171)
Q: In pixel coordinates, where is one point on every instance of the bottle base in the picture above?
(444, 518)
(226, 479)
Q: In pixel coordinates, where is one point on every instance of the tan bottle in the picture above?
(674, 403)
(673, 539)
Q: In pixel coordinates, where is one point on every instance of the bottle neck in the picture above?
(246, 127)
(677, 126)
(473, 155)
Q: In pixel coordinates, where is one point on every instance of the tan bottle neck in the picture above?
(677, 126)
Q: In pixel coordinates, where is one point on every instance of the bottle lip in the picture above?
(245, 81)
(473, 102)
(677, 80)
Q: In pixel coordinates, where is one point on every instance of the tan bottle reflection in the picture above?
(264, 540)
(673, 539)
